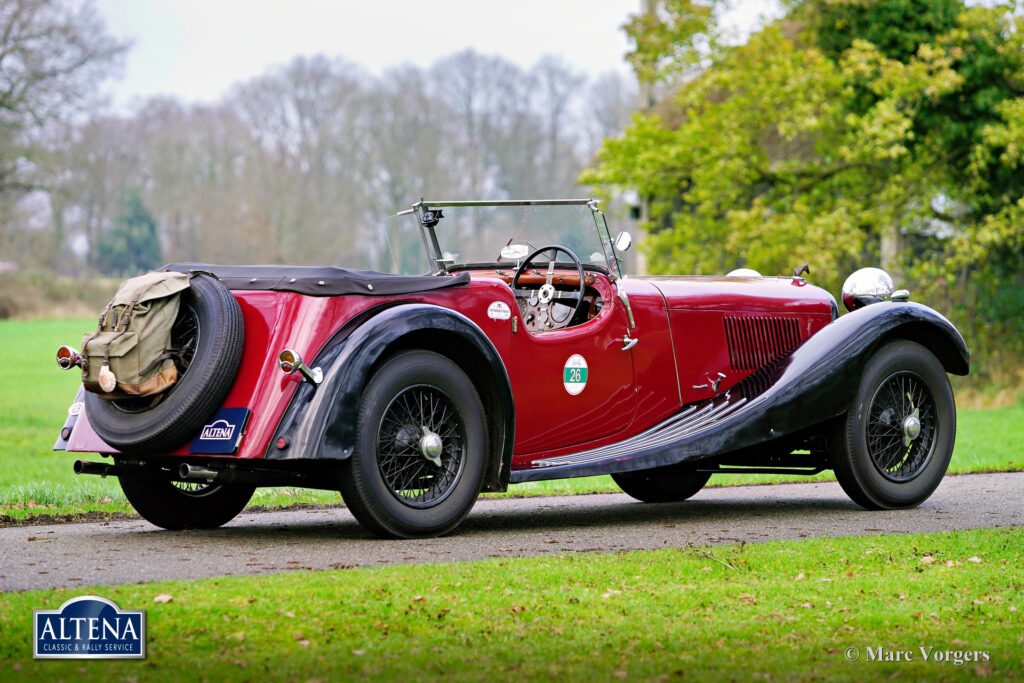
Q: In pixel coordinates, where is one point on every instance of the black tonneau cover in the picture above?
(320, 280)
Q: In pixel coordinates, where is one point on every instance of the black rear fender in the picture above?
(321, 423)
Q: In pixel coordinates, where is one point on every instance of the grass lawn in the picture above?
(787, 609)
(34, 396)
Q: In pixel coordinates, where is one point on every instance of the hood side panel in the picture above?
(725, 328)
(749, 294)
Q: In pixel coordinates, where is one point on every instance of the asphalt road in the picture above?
(258, 543)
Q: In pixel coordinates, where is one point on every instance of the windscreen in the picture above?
(470, 235)
(476, 236)
(404, 252)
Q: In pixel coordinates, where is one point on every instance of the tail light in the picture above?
(290, 361)
(67, 358)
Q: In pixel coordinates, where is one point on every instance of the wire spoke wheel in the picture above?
(669, 484)
(174, 504)
(421, 446)
(892, 447)
(195, 489)
(901, 427)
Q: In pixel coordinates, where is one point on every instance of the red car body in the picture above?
(682, 342)
(742, 373)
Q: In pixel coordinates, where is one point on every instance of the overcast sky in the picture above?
(197, 48)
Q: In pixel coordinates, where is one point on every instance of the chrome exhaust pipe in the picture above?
(100, 468)
(196, 473)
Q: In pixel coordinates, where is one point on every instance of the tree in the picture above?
(305, 116)
(301, 163)
(611, 100)
(812, 143)
(131, 244)
(52, 58)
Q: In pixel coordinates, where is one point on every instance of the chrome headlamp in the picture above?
(870, 286)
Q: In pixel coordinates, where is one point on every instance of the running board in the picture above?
(630, 453)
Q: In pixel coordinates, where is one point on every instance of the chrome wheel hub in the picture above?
(431, 446)
(911, 428)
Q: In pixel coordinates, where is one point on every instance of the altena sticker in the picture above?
(223, 433)
(499, 310)
(574, 374)
(89, 627)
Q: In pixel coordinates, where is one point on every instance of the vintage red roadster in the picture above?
(495, 343)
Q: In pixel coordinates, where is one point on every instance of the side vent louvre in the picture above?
(756, 341)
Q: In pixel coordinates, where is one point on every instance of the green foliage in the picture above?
(847, 134)
(131, 245)
(677, 36)
(897, 28)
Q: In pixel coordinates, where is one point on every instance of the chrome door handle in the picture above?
(712, 382)
(628, 343)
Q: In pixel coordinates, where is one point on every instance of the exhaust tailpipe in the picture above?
(100, 468)
(196, 473)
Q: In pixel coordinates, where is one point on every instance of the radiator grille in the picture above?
(755, 341)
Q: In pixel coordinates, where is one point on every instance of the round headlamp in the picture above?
(867, 286)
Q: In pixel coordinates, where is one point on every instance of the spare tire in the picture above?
(208, 335)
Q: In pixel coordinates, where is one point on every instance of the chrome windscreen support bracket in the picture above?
(629, 309)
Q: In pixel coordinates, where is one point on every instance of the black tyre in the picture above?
(208, 334)
(663, 484)
(421, 448)
(892, 448)
(183, 505)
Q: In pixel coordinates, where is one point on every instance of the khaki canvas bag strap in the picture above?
(166, 355)
(99, 326)
(125, 319)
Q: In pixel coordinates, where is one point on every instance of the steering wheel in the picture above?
(536, 303)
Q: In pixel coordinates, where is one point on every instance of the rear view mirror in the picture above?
(623, 241)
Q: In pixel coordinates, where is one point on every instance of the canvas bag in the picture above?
(133, 338)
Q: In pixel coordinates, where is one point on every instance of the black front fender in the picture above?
(321, 423)
(815, 383)
(819, 380)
